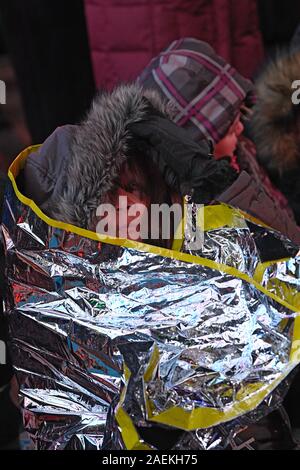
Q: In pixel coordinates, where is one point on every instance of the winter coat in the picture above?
(207, 93)
(276, 126)
(124, 36)
(58, 179)
(78, 165)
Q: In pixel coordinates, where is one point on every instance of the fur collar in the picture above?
(99, 147)
(276, 118)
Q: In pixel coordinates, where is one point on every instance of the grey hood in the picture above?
(77, 165)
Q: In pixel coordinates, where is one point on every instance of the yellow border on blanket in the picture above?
(200, 418)
(18, 164)
(177, 417)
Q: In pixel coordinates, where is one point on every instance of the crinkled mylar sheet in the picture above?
(152, 340)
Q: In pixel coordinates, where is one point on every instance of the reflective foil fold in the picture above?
(136, 347)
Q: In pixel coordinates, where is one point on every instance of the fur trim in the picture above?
(276, 118)
(100, 147)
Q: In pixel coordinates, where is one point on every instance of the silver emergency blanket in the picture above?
(110, 342)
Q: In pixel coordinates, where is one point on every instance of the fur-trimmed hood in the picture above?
(276, 120)
(100, 147)
(78, 165)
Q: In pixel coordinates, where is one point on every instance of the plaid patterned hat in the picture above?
(206, 91)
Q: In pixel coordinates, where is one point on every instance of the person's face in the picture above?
(135, 189)
(227, 145)
(129, 193)
(130, 204)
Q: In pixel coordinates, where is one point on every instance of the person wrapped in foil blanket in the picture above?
(147, 343)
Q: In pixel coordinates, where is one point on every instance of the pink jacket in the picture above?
(125, 34)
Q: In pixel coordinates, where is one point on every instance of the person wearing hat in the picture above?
(211, 100)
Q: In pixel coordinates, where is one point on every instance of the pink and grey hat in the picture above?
(206, 91)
